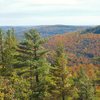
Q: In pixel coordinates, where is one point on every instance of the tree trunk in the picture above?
(37, 78)
(63, 96)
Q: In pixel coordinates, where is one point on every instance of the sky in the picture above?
(49, 12)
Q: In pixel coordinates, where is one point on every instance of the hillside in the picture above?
(95, 30)
(45, 30)
(81, 48)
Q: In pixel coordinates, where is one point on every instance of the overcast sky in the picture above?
(48, 12)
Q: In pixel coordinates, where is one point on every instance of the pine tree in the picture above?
(61, 76)
(9, 51)
(85, 86)
(33, 55)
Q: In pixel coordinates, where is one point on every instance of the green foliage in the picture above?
(32, 52)
(21, 86)
(10, 49)
(61, 76)
(26, 74)
(85, 86)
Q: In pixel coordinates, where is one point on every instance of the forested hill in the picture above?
(95, 30)
(81, 48)
(45, 30)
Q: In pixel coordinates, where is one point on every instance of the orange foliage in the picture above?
(80, 48)
(89, 69)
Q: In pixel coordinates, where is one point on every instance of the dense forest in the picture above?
(60, 67)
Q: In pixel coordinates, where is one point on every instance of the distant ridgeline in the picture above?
(95, 30)
(45, 30)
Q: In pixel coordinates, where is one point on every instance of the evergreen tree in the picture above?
(61, 76)
(9, 51)
(33, 55)
(84, 86)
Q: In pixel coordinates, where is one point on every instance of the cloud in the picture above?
(71, 2)
(50, 11)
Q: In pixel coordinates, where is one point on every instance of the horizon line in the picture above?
(51, 25)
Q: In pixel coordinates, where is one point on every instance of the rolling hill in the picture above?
(45, 30)
(95, 30)
(80, 48)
